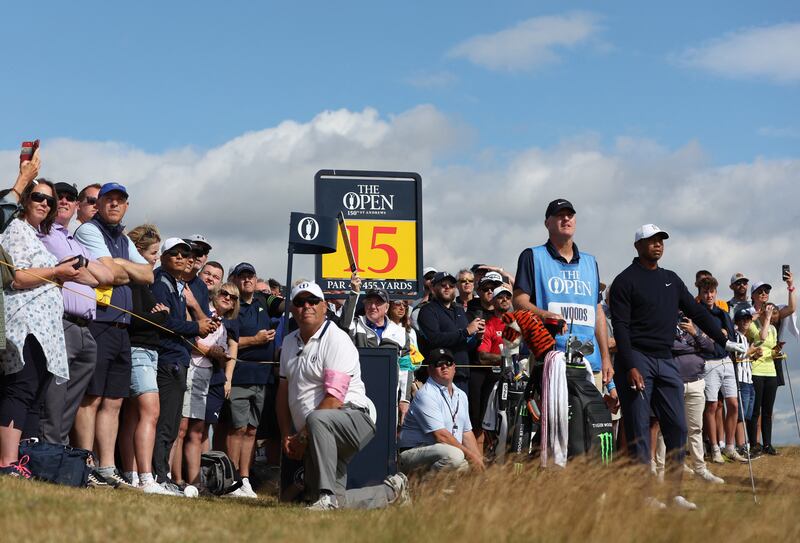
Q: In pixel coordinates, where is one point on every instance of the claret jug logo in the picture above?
(368, 200)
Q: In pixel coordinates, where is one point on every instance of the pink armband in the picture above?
(336, 383)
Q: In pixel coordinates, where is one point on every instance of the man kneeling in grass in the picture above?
(323, 410)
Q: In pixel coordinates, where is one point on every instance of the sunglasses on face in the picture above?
(445, 364)
(68, 196)
(740, 283)
(40, 197)
(183, 253)
(446, 285)
(91, 200)
(226, 294)
(466, 281)
(311, 300)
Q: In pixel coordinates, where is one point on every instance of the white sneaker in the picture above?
(687, 470)
(171, 489)
(709, 477)
(238, 493)
(399, 483)
(716, 457)
(654, 503)
(733, 455)
(153, 487)
(683, 503)
(326, 502)
(247, 490)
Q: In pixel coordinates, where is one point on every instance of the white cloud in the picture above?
(768, 52)
(528, 45)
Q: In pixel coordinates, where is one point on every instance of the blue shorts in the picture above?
(144, 364)
(216, 397)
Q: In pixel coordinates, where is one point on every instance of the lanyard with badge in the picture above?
(453, 414)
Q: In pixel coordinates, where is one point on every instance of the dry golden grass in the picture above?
(579, 504)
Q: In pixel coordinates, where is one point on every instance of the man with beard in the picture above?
(645, 300)
(443, 324)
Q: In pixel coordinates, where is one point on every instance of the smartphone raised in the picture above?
(27, 149)
(785, 271)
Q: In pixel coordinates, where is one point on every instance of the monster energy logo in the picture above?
(606, 447)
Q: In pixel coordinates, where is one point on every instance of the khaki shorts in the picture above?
(245, 405)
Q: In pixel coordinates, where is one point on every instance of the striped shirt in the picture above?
(744, 366)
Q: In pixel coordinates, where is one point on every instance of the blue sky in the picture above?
(160, 75)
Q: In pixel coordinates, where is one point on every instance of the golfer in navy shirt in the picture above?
(644, 302)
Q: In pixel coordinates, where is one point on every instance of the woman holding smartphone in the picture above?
(35, 350)
(763, 333)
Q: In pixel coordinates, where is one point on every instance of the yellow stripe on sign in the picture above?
(382, 250)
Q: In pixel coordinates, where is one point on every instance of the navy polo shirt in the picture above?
(253, 317)
(378, 329)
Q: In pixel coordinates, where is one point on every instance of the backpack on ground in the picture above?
(217, 474)
(56, 463)
(590, 430)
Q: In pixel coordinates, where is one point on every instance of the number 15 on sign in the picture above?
(382, 250)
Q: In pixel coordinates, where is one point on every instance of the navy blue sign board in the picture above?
(378, 459)
(383, 215)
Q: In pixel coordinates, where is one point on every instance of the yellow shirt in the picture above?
(763, 366)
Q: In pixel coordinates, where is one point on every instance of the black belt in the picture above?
(120, 325)
(80, 321)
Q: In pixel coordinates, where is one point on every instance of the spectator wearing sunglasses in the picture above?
(174, 351)
(97, 419)
(437, 433)
(87, 202)
(218, 356)
(35, 352)
(199, 302)
(252, 374)
(466, 287)
(61, 402)
(739, 283)
(325, 415)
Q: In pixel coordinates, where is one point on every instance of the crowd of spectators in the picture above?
(138, 347)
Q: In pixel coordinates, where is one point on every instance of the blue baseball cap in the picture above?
(110, 187)
(243, 267)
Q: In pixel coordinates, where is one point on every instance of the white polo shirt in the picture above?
(303, 364)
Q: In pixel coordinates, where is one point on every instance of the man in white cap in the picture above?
(174, 352)
(645, 300)
(324, 413)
